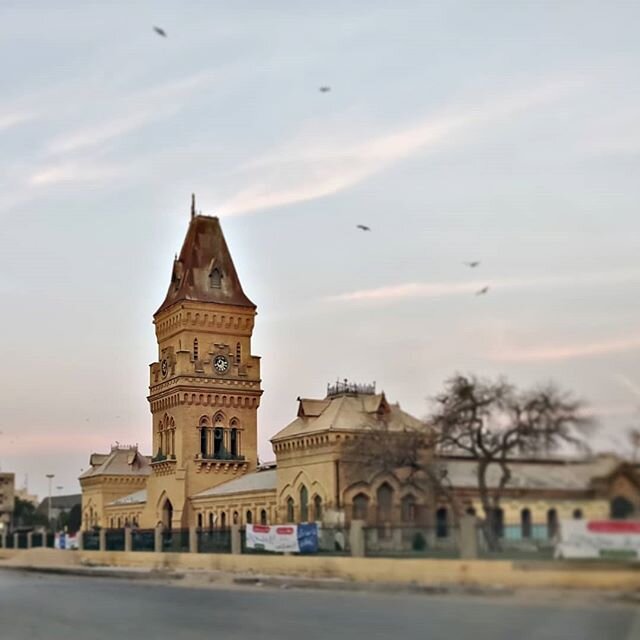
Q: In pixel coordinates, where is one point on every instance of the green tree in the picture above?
(25, 514)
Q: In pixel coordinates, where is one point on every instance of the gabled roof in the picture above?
(347, 412)
(257, 481)
(138, 497)
(533, 474)
(121, 461)
(65, 503)
(203, 252)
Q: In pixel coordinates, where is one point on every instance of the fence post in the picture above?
(29, 539)
(127, 539)
(80, 539)
(356, 538)
(3, 539)
(102, 534)
(16, 537)
(236, 539)
(193, 540)
(468, 537)
(157, 539)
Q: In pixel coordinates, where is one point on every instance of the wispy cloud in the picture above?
(548, 353)
(322, 162)
(136, 111)
(442, 289)
(73, 172)
(13, 119)
(628, 384)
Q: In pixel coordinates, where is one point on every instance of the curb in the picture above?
(274, 582)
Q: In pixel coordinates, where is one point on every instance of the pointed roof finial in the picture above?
(193, 205)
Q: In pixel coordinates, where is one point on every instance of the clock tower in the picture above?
(204, 390)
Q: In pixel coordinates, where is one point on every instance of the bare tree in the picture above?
(405, 452)
(493, 423)
(633, 436)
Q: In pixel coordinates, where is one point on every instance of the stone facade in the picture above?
(204, 394)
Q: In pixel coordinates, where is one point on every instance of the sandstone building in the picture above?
(204, 395)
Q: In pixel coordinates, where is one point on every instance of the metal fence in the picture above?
(91, 540)
(411, 541)
(175, 540)
(143, 540)
(114, 539)
(215, 540)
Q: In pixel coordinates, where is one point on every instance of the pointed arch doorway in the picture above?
(167, 514)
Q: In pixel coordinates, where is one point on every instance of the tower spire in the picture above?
(193, 205)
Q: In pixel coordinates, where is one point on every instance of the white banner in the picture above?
(599, 539)
(282, 538)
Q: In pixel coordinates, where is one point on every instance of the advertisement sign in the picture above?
(599, 539)
(283, 538)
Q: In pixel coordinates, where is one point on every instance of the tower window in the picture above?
(234, 442)
(290, 510)
(217, 442)
(215, 279)
(238, 353)
(195, 348)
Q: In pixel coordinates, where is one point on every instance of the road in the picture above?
(51, 607)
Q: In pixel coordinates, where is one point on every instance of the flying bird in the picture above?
(160, 32)
(363, 227)
(325, 89)
(482, 291)
(473, 264)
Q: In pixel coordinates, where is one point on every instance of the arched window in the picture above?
(218, 444)
(118, 523)
(498, 522)
(233, 442)
(317, 508)
(249, 517)
(552, 523)
(111, 523)
(203, 441)
(290, 509)
(160, 438)
(442, 523)
(525, 523)
(385, 501)
(238, 353)
(126, 522)
(408, 509)
(211, 519)
(236, 517)
(223, 520)
(577, 514)
(263, 516)
(199, 521)
(215, 278)
(304, 504)
(621, 508)
(361, 507)
(195, 349)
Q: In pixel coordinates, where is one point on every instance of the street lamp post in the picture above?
(50, 477)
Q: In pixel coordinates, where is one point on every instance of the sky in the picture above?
(495, 131)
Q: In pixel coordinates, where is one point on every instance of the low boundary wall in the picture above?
(425, 572)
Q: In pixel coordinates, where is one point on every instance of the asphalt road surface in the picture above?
(50, 607)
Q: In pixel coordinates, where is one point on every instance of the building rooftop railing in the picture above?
(342, 387)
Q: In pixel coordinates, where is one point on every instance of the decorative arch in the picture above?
(385, 498)
(290, 506)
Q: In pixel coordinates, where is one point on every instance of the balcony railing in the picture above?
(221, 456)
(162, 457)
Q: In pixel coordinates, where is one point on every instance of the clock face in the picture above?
(220, 364)
(165, 368)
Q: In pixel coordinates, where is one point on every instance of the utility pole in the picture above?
(50, 477)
